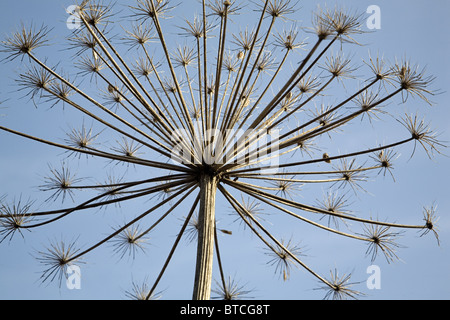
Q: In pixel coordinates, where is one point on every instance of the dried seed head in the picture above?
(244, 40)
(35, 80)
(14, 218)
(231, 63)
(192, 228)
(288, 102)
(147, 9)
(144, 67)
(285, 187)
(95, 12)
(385, 159)
(171, 86)
(61, 181)
(339, 66)
(367, 102)
(230, 290)
(140, 292)
(279, 8)
(139, 35)
(196, 28)
(323, 115)
(342, 22)
(430, 218)
(115, 95)
(184, 56)
(308, 85)
(413, 80)
(196, 113)
(307, 146)
(287, 39)
(380, 238)
(321, 26)
(249, 208)
(282, 258)
(220, 8)
(422, 134)
(110, 187)
(59, 91)
(265, 63)
(81, 138)
(339, 288)
(127, 148)
(350, 174)
(129, 242)
(57, 258)
(335, 204)
(24, 41)
(379, 69)
(90, 65)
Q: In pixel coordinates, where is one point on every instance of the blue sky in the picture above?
(412, 29)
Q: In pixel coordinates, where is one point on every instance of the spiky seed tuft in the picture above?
(56, 259)
(230, 290)
(24, 41)
(282, 259)
(381, 239)
(430, 218)
(129, 242)
(340, 288)
(14, 218)
(422, 134)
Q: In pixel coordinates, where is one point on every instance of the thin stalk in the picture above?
(338, 122)
(348, 155)
(289, 86)
(162, 137)
(143, 162)
(241, 186)
(96, 104)
(348, 235)
(269, 107)
(117, 232)
(227, 84)
(219, 259)
(184, 109)
(269, 85)
(232, 200)
(249, 55)
(205, 68)
(266, 175)
(322, 129)
(85, 205)
(222, 39)
(139, 96)
(172, 251)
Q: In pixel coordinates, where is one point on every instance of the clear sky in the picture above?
(413, 29)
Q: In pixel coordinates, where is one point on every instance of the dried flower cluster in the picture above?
(209, 110)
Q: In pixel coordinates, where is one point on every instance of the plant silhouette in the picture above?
(223, 117)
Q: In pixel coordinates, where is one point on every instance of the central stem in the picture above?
(205, 248)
